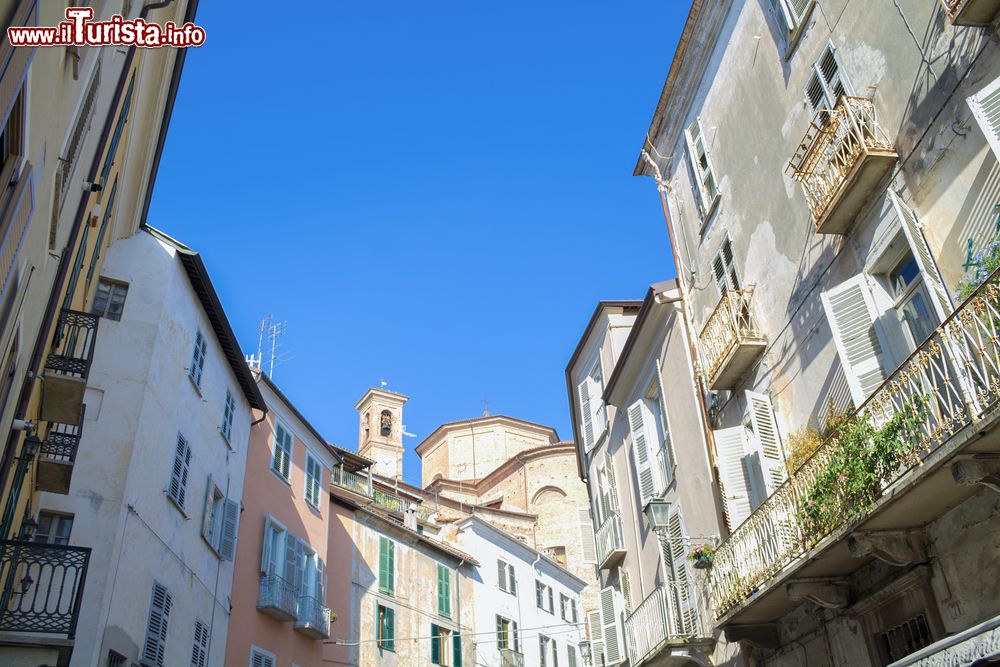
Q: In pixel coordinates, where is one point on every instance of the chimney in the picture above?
(410, 517)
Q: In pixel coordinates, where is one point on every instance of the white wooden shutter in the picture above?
(609, 471)
(199, 649)
(766, 441)
(852, 314)
(588, 419)
(985, 107)
(922, 253)
(730, 450)
(596, 637)
(179, 472)
(614, 649)
(668, 460)
(156, 627)
(676, 560)
(319, 588)
(294, 557)
(230, 529)
(261, 659)
(588, 542)
(206, 522)
(640, 446)
(502, 576)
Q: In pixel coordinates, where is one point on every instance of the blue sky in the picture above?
(432, 193)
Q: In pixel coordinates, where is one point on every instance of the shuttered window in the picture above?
(385, 627)
(547, 651)
(592, 410)
(791, 13)
(221, 521)
(730, 450)
(506, 580)
(666, 456)
(570, 655)
(228, 411)
(724, 268)
(644, 450)
(625, 582)
(985, 107)
(177, 489)
(588, 543)
(273, 552)
(614, 649)
(386, 565)
(543, 597)
(446, 647)
(674, 549)
(850, 310)
(444, 590)
(281, 460)
(261, 658)
(314, 475)
(109, 158)
(154, 646)
(199, 648)
(941, 301)
(596, 629)
(507, 636)
(766, 443)
(701, 165)
(827, 83)
(198, 358)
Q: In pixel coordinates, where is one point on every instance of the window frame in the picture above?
(228, 415)
(507, 634)
(112, 285)
(544, 597)
(444, 592)
(706, 204)
(387, 546)
(55, 519)
(313, 485)
(510, 577)
(385, 627)
(197, 368)
(275, 465)
(179, 499)
(265, 655)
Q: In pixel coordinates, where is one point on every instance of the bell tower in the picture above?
(380, 432)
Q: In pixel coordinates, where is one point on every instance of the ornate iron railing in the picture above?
(730, 324)
(42, 587)
(62, 440)
(511, 658)
(657, 621)
(954, 374)
(836, 139)
(313, 616)
(352, 481)
(73, 345)
(610, 537)
(277, 593)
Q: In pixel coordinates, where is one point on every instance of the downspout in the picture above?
(699, 376)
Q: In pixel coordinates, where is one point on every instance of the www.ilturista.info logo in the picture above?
(79, 30)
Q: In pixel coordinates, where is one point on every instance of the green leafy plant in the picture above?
(985, 261)
(864, 457)
(704, 551)
(802, 444)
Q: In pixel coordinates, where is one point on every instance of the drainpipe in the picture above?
(699, 376)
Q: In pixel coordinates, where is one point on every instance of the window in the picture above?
(444, 591)
(570, 655)
(385, 627)
(985, 107)
(53, 528)
(547, 651)
(624, 582)
(115, 659)
(446, 646)
(198, 359)
(156, 627)
(724, 268)
(674, 551)
(543, 597)
(386, 565)
(199, 649)
(272, 556)
(556, 553)
(791, 12)
(314, 475)
(827, 83)
(701, 165)
(281, 462)
(109, 301)
(505, 577)
(179, 474)
(663, 447)
(95, 258)
(227, 416)
(611, 630)
(567, 608)
(588, 543)
(648, 448)
(261, 658)
(592, 409)
(220, 525)
(507, 636)
(908, 637)
(109, 158)
(911, 300)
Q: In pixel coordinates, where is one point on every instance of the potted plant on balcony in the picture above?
(702, 557)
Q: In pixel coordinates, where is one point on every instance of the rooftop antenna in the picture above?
(486, 408)
(268, 334)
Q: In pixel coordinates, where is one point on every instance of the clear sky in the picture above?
(436, 194)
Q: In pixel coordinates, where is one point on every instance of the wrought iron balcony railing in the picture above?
(278, 598)
(971, 12)
(57, 454)
(954, 375)
(352, 481)
(313, 619)
(511, 658)
(659, 621)
(841, 159)
(68, 366)
(610, 542)
(731, 340)
(41, 587)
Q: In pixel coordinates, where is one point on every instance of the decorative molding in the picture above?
(982, 469)
(828, 593)
(895, 547)
(760, 635)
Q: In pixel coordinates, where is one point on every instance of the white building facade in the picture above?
(527, 607)
(157, 486)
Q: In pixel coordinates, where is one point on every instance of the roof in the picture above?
(521, 545)
(295, 411)
(504, 469)
(637, 327)
(419, 537)
(203, 288)
(625, 305)
(352, 460)
(485, 419)
(380, 390)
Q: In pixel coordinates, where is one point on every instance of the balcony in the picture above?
(610, 542)
(313, 618)
(841, 160)
(68, 367)
(730, 340)
(56, 456)
(511, 658)
(971, 12)
(657, 625)
(278, 598)
(357, 482)
(942, 407)
(42, 587)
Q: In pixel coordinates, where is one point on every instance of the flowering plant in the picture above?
(985, 261)
(706, 551)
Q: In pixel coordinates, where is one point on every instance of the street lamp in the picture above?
(657, 513)
(585, 652)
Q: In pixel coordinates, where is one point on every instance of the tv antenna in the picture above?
(267, 343)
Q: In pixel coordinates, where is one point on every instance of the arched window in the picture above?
(385, 423)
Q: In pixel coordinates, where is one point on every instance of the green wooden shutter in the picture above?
(435, 644)
(444, 591)
(386, 568)
(456, 649)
